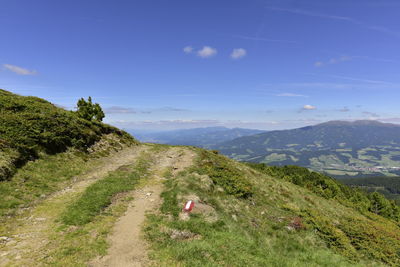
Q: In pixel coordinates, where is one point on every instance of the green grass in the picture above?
(99, 195)
(40, 178)
(254, 231)
(73, 247)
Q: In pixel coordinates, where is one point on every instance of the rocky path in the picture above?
(128, 248)
(33, 228)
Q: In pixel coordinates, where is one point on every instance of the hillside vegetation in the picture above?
(329, 188)
(258, 217)
(31, 127)
(388, 186)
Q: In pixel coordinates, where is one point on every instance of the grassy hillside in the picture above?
(337, 148)
(249, 216)
(31, 127)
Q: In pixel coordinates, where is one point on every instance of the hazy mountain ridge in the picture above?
(337, 147)
(201, 137)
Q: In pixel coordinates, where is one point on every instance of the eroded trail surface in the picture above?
(31, 229)
(30, 237)
(128, 248)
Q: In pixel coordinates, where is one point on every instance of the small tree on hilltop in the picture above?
(89, 111)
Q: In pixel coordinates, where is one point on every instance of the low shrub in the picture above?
(231, 179)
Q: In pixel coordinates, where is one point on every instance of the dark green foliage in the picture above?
(329, 188)
(388, 186)
(30, 125)
(357, 238)
(231, 179)
(89, 111)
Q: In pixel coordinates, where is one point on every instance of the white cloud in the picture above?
(19, 70)
(238, 53)
(291, 95)
(206, 52)
(309, 107)
(188, 49)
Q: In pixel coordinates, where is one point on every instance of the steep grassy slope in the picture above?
(338, 148)
(329, 188)
(30, 127)
(247, 217)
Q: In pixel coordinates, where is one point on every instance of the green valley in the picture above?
(337, 148)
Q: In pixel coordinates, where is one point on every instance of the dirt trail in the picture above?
(31, 229)
(128, 248)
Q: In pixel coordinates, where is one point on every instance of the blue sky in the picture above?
(184, 64)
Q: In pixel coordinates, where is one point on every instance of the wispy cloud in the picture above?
(309, 107)
(333, 61)
(19, 70)
(359, 79)
(291, 95)
(263, 39)
(207, 52)
(384, 30)
(192, 123)
(312, 14)
(173, 109)
(344, 109)
(119, 110)
(336, 60)
(370, 114)
(188, 49)
(338, 18)
(238, 53)
(128, 110)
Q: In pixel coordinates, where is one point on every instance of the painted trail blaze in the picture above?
(188, 206)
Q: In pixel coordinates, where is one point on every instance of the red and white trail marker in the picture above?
(188, 206)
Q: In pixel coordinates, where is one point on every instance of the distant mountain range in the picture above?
(338, 148)
(201, 137)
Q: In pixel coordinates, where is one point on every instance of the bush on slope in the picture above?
(30, 126)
